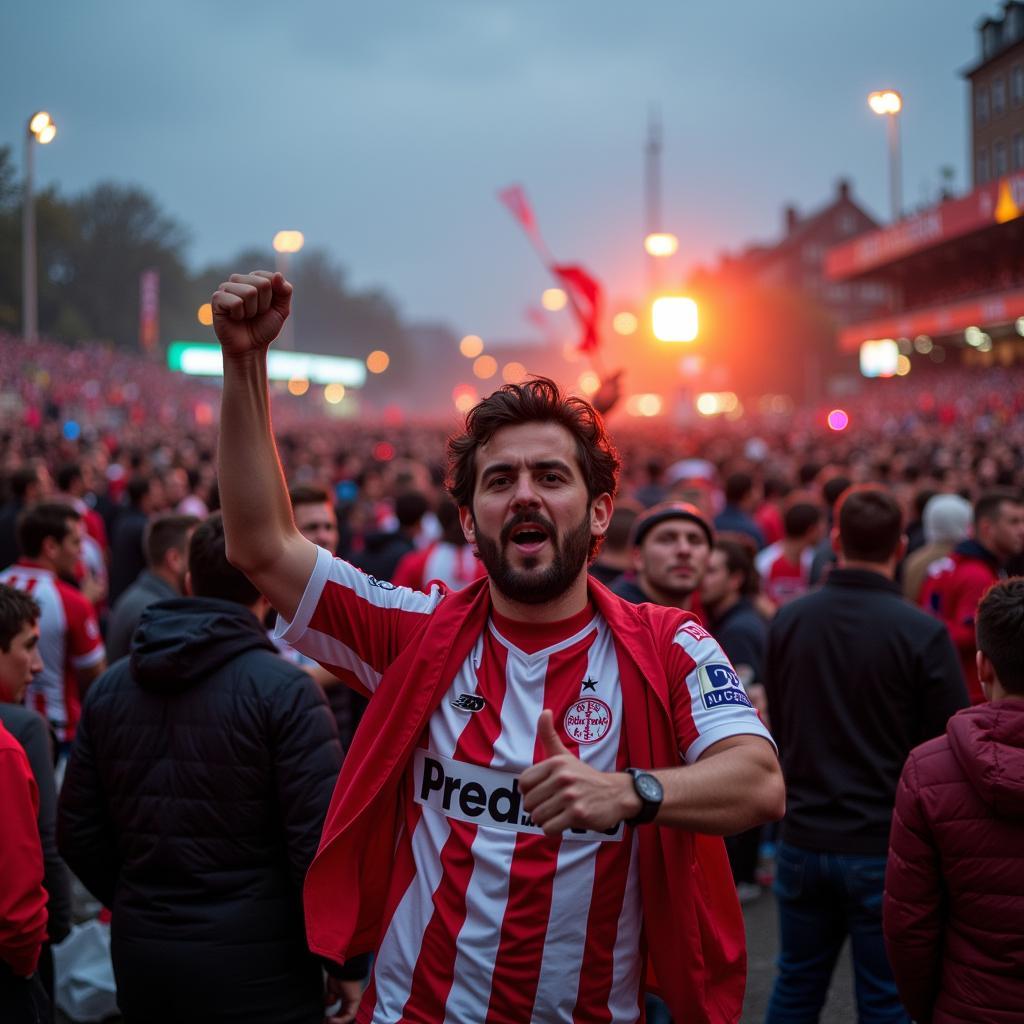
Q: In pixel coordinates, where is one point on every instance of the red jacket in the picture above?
(22, 896)
(952, 590)
(694, 928)
(954, 887)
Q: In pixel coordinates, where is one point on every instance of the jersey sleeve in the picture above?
(708, 700)
(353, 624)
(85, 645)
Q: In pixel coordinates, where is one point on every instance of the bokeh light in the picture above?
(298, 386)
(903, 366)
(553, 299)
(334, 393)
(644, 405)
(838, 420)
(513, 373)
(589, 382)
(661, 244)
(471, 346)
(378, 361)
(205, 314)
(485, 367)
(625, 323)
(383, 452)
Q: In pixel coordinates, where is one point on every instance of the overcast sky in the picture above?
(382, 129)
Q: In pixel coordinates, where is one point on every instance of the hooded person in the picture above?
(954, 892)
(192, 805)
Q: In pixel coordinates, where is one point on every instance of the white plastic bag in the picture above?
(84, 986)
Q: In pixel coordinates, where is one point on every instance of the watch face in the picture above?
(649, 788)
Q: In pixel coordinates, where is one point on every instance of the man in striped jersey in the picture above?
(526, 812)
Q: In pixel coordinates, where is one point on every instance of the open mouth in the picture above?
(528, 538)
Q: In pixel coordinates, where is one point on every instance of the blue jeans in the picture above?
(822, 898)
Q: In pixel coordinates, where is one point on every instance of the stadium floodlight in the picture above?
(205, 360)
(674, 318)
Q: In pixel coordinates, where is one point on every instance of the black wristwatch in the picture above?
(648, 788)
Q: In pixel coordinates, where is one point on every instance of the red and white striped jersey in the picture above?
(69, 640)
(488, 919)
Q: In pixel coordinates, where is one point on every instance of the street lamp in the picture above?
(41, 129)
(888, 103)
(286, 243)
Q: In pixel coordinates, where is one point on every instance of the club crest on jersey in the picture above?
(720, 685)
(588, 720)
(468, 702)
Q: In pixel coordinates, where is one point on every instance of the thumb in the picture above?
(553, 746)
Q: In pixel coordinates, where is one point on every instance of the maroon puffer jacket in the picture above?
(954, 888)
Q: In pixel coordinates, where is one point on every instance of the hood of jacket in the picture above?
(184, 640)
(972, 549)
(988, 743)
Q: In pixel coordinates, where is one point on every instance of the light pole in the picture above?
(40, 129)
(285, 243)
(888, 103)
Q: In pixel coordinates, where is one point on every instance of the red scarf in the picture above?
(692, 919)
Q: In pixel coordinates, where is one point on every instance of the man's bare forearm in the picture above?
(254, 496)
(726, 791)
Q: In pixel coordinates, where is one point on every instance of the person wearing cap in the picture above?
(671, 545)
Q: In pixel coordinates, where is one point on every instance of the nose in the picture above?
(36, 665)
(525, 495)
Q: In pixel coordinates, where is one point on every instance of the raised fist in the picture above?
(249, 311)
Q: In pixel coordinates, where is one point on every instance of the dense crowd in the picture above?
(110, 500)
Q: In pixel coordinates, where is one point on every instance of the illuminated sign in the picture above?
(879, 358)
(205, 360)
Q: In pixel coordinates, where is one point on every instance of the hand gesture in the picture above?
(561, 791)
(249, 311)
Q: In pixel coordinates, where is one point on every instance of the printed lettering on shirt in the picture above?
(720, 684)
(483, 796)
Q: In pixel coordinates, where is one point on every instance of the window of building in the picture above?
(847, 224)
(999, 163)
(981, 104)
(982, 166)
(1017, 85)
(998, 96)
(1018, 151)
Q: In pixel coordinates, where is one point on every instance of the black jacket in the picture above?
(192, 807)
(856, 677)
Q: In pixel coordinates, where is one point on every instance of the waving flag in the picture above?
(515, 201)
(587, 298)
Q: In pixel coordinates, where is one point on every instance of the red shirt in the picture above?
(22, 896)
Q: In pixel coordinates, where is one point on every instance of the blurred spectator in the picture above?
(22, 896)
(653, 490)
(946, 521)
(671, 546)
(769, 516)
(855, 678)
(785, 567)
(954, 899)
(725, 594)
(317, 521)
(915, 528)
(824, 552)
(956, 584)
(383, 550)
(127, 556)
(740, 502)
(26, 486)
(19, 662)
(204, 765)
(71, 486)
(615, 554)
(166, 545)
(69, 634)
(450, 560)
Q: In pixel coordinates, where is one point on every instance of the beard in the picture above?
(531, 585)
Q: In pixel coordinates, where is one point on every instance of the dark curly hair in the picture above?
(539, 400)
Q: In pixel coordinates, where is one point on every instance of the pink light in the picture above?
(383, 452)
(838, 420)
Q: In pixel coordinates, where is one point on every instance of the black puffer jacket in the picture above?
(192, 807)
